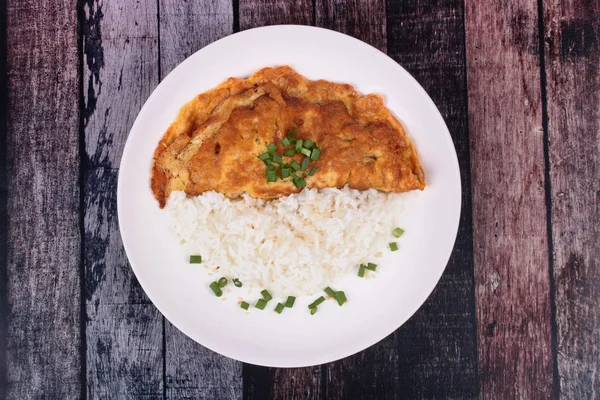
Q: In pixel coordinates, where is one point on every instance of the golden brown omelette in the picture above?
(216, 140)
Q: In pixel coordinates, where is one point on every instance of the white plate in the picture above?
(376, 307)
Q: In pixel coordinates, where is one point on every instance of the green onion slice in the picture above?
(398, 232)
(216, 289)
(237, 282)
(293, 130)
(313, 311)
(286, 141)
(371, 266)
(340, 297)
(277, 158)
(195, 259)
(260, 304)
(295, 166)
(244, 305)
(330, 292)
(316, 302)
(316, 153)
(271, 176)
(306, 152)
(299, 182)
(266, 295)
(393, 246)
(289, 153)
(299, 145)
(272, 147)
(290, 301)
(312, 171)
(265, 156)
(285, 172)
(361, 271)
(308, 144)
(305, 162)
(222, 282)
(279, 308)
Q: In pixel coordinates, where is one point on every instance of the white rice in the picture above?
(294, 245)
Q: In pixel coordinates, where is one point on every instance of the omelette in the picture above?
(276, 132)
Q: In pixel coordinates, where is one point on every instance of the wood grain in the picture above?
(193, 371)
(572, 49)
(124, 332)
(43, 254)
(255, 13)
(509, 212)
(437, 346)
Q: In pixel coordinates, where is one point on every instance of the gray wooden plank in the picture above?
(43, 254)
(509, 210)
(572, 49)
(192, 371)
(255, 13)
(124, 332)
(438, 346)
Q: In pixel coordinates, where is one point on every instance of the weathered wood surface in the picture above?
(437, 346)
(43, 230)
(509, 208)
(124, 331)
(572, 68)
(192, 371)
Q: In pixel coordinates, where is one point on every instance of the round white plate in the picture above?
(376, 307)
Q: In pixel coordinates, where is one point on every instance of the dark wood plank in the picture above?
(124, 332)
(255, 13)
(44, 254)
(437, 346)
(192, 371)
(572, 32)
(509, 210)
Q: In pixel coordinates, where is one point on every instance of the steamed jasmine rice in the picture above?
(295, 245)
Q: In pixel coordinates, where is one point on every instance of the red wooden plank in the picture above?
(509, 210)
(43, 252)
(572, 32)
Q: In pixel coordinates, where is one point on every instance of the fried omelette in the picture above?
(216, 140)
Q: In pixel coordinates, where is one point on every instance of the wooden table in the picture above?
(517, 312)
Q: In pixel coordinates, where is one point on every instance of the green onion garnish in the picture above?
(277, 158)
(308, 144)
(361, 271)
(313, 311)
(222, 282)
(312, 171)
(286, 141)
(244, 305)
(290, 301)
(266, 295)
(295, 166)
(330, 292)
(271, 147)
(271, 176)
(316, 302)
(285, 172)
(306, 152)
(195, 259)
(216, 289)
(397, 232)
(279, 308)
(289, 153)
(393, 246)
(340, 297)
(293, 130)
(299, 144)
(237, 282)
(371, 266)
(299, 182)
(265, 156)
(260, 304)
(316, 153)
(305, 162)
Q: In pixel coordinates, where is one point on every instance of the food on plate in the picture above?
(348, 139)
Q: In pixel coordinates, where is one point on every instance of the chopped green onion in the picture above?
(290, 301)
(305, 164)
(330, 292)
(299, 182)
(265, 156)
(260, 304)
(361, 271)
(299, 144)
(316, 153)
(268, 163)
(286, 141)
(244, 305)
(216, 289)
(313, 311)
(340, 297)
(289, 153)
(312, 171)
(316, 302)
(222, 282)
(293, 130)
(279, 308)
(393, 246)
(266, 295)
(308, 144)
(306, 152)
(195, 259)
(271, 176)
(371, 266)
(295, 166)
(285, 172)
(397, 232)
(272, 147)
(237, 282)
(277, 158)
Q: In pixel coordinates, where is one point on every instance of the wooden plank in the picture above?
(437, 346)
(43, 254)
(572, 50)
(509, 213)
(124, 332)
(255, 13)
(193, 371)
